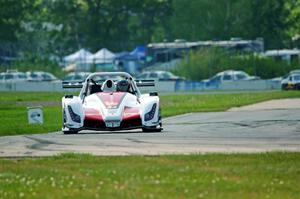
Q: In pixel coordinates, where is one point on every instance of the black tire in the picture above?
(70, 132)
(149, 130)
(153, 129)
(284, 87)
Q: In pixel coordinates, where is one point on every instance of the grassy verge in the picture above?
(13, 112)
(179, 104)
(267, 175)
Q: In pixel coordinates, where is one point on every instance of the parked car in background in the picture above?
(291, 82)
(159, 75)
(12, 76)
(40, 76)
(77, 76)
(229, 76)
(281, 78)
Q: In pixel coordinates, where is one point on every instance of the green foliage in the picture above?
(294, 21)
(223, 19)
(268, 19)
(93, 24)
(208, 19)
(207, 62)
(249, 176)
(12, 12)
(63, 26)
(34, 62)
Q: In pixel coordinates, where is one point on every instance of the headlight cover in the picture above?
(74, 116)
(150, 114)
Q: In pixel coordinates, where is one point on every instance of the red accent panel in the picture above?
(111, 100)
(131, 113)
(92, 114)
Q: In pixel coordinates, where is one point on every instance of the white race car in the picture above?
(110, 101)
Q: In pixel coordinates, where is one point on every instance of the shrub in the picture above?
(32, 62)
(206, 62)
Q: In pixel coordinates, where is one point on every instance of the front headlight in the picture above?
(74, 116)
(150, 114)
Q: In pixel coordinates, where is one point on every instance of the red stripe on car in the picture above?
(111, 100)
(92, 114)
(131, 113)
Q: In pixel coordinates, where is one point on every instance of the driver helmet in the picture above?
(123, 86)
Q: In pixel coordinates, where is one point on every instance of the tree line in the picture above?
(63, 26)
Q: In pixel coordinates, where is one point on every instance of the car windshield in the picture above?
(69, 77)
(46, 76)
(227, 77)
(9, 76)
(142, 75)
(153, 75)
(216, 78)
(296, 78)
(78, 77)
(167, 75)
(241, 76)
(33, 75)
(21, 76)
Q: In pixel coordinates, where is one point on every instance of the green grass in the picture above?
(13, 107)
(179, 104)
(266, 175)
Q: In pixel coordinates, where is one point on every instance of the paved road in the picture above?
(238, 130)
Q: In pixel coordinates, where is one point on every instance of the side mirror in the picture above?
(153, 94)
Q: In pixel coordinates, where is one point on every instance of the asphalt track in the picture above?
(269, 126)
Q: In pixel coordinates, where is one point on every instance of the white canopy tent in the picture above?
(103, 56)
(82, 56)
(288, 55)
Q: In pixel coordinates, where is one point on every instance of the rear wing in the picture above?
(79, 84)
(72, 84)
(144, 83)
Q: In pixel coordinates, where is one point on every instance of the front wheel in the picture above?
(64, 129)
(70, 132)
(153, 128)
(149, 130)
